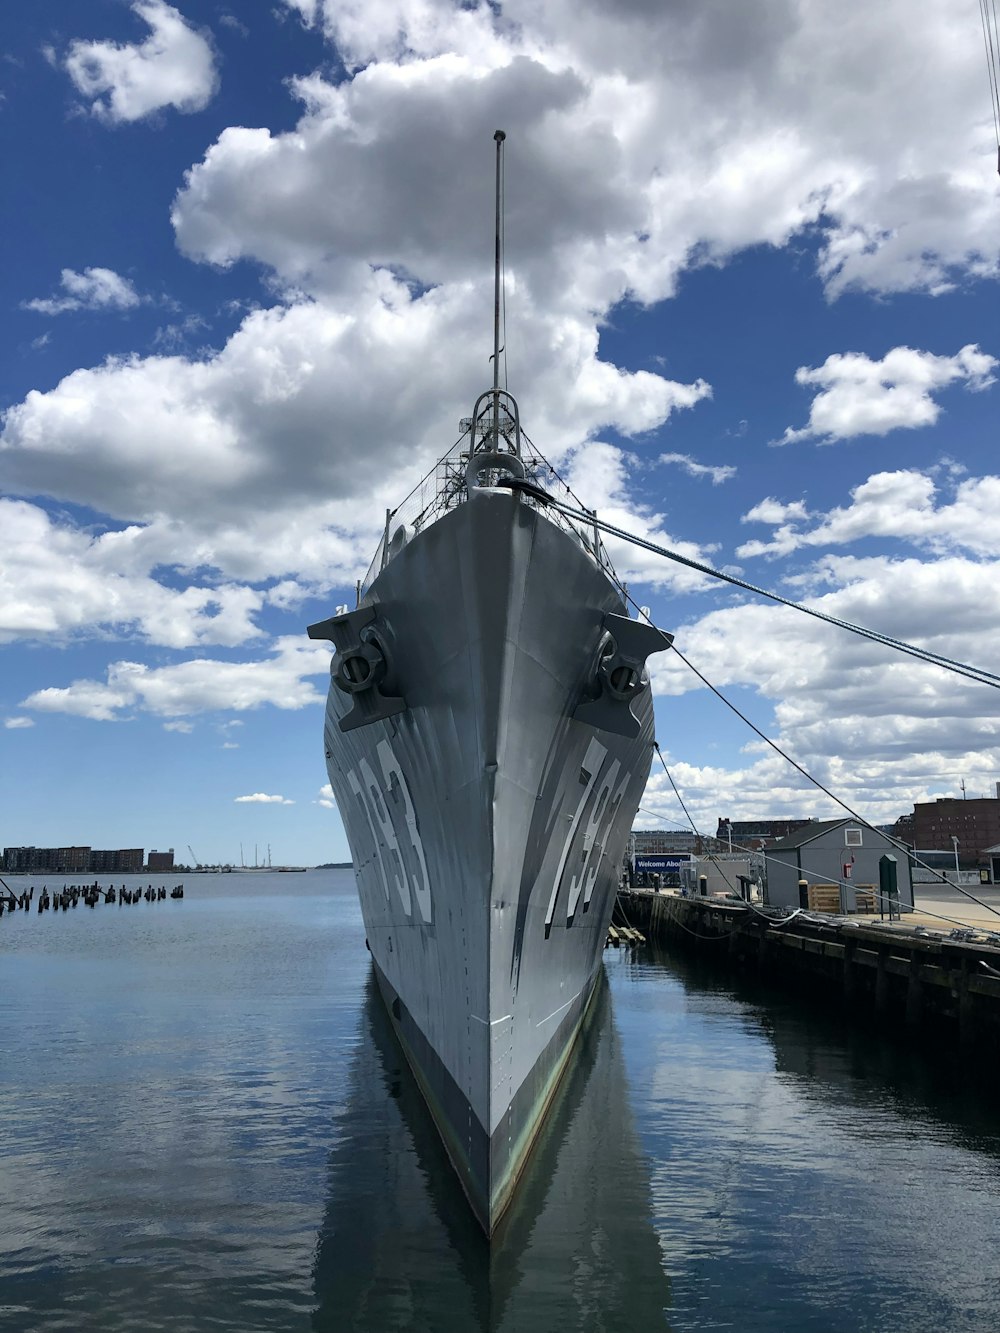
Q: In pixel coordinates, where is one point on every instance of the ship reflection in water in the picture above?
(399, 1247)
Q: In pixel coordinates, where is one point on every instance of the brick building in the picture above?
(69, 860)
(160, 861)
(903, 829)
(74, 860)
(646, 842)
(975, 822)
(21, 858)
(757, 833)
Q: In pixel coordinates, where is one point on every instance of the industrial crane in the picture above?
(197, 863)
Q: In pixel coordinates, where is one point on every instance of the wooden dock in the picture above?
(619, 935)
(902, 977)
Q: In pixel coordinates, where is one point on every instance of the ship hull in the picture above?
(487, 824)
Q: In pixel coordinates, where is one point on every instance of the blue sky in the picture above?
(752, 312)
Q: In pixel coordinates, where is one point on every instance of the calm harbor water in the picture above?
(205, 1124)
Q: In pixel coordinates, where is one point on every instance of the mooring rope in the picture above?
(978, 674)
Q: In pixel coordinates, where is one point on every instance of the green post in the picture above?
(888, 886)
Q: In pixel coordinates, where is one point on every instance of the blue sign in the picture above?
(660, 863)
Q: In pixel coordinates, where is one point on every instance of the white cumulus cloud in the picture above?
(200, 685)
(794, 117)
(905, 505)
(261, 798)
(859, 396)
(58, 580)
(372, 216)
(93, 289)
(599, 474)
(878, 728)
(686, 463)
(770, 510)
(324, 407)
(173, 67)
(18, 723)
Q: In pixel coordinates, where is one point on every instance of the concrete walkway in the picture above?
(933, 901)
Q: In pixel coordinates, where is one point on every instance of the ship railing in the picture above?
(444, 488)
(439, 491)
(541, 472)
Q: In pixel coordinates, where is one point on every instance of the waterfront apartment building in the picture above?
(75, 860)
(129, 860)
(61, 860)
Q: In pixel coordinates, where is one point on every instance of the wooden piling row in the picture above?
(61, 900)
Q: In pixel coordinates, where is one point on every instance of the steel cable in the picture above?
(977, 674)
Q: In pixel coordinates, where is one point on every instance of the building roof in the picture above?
(761, 827)
(812, 830)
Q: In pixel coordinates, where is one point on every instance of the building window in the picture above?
(852, 837)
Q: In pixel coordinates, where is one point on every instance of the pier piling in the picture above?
(92, 895)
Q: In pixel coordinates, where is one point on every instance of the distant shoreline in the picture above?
(178, 870)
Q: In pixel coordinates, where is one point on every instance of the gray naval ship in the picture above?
(489, 734)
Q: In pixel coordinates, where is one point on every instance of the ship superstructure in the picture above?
(488, 737)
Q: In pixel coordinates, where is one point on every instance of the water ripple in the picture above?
(205, 1124)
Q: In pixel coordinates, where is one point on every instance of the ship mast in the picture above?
(495, 425)
(499, 137)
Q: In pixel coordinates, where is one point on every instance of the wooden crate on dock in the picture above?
(824, 898)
